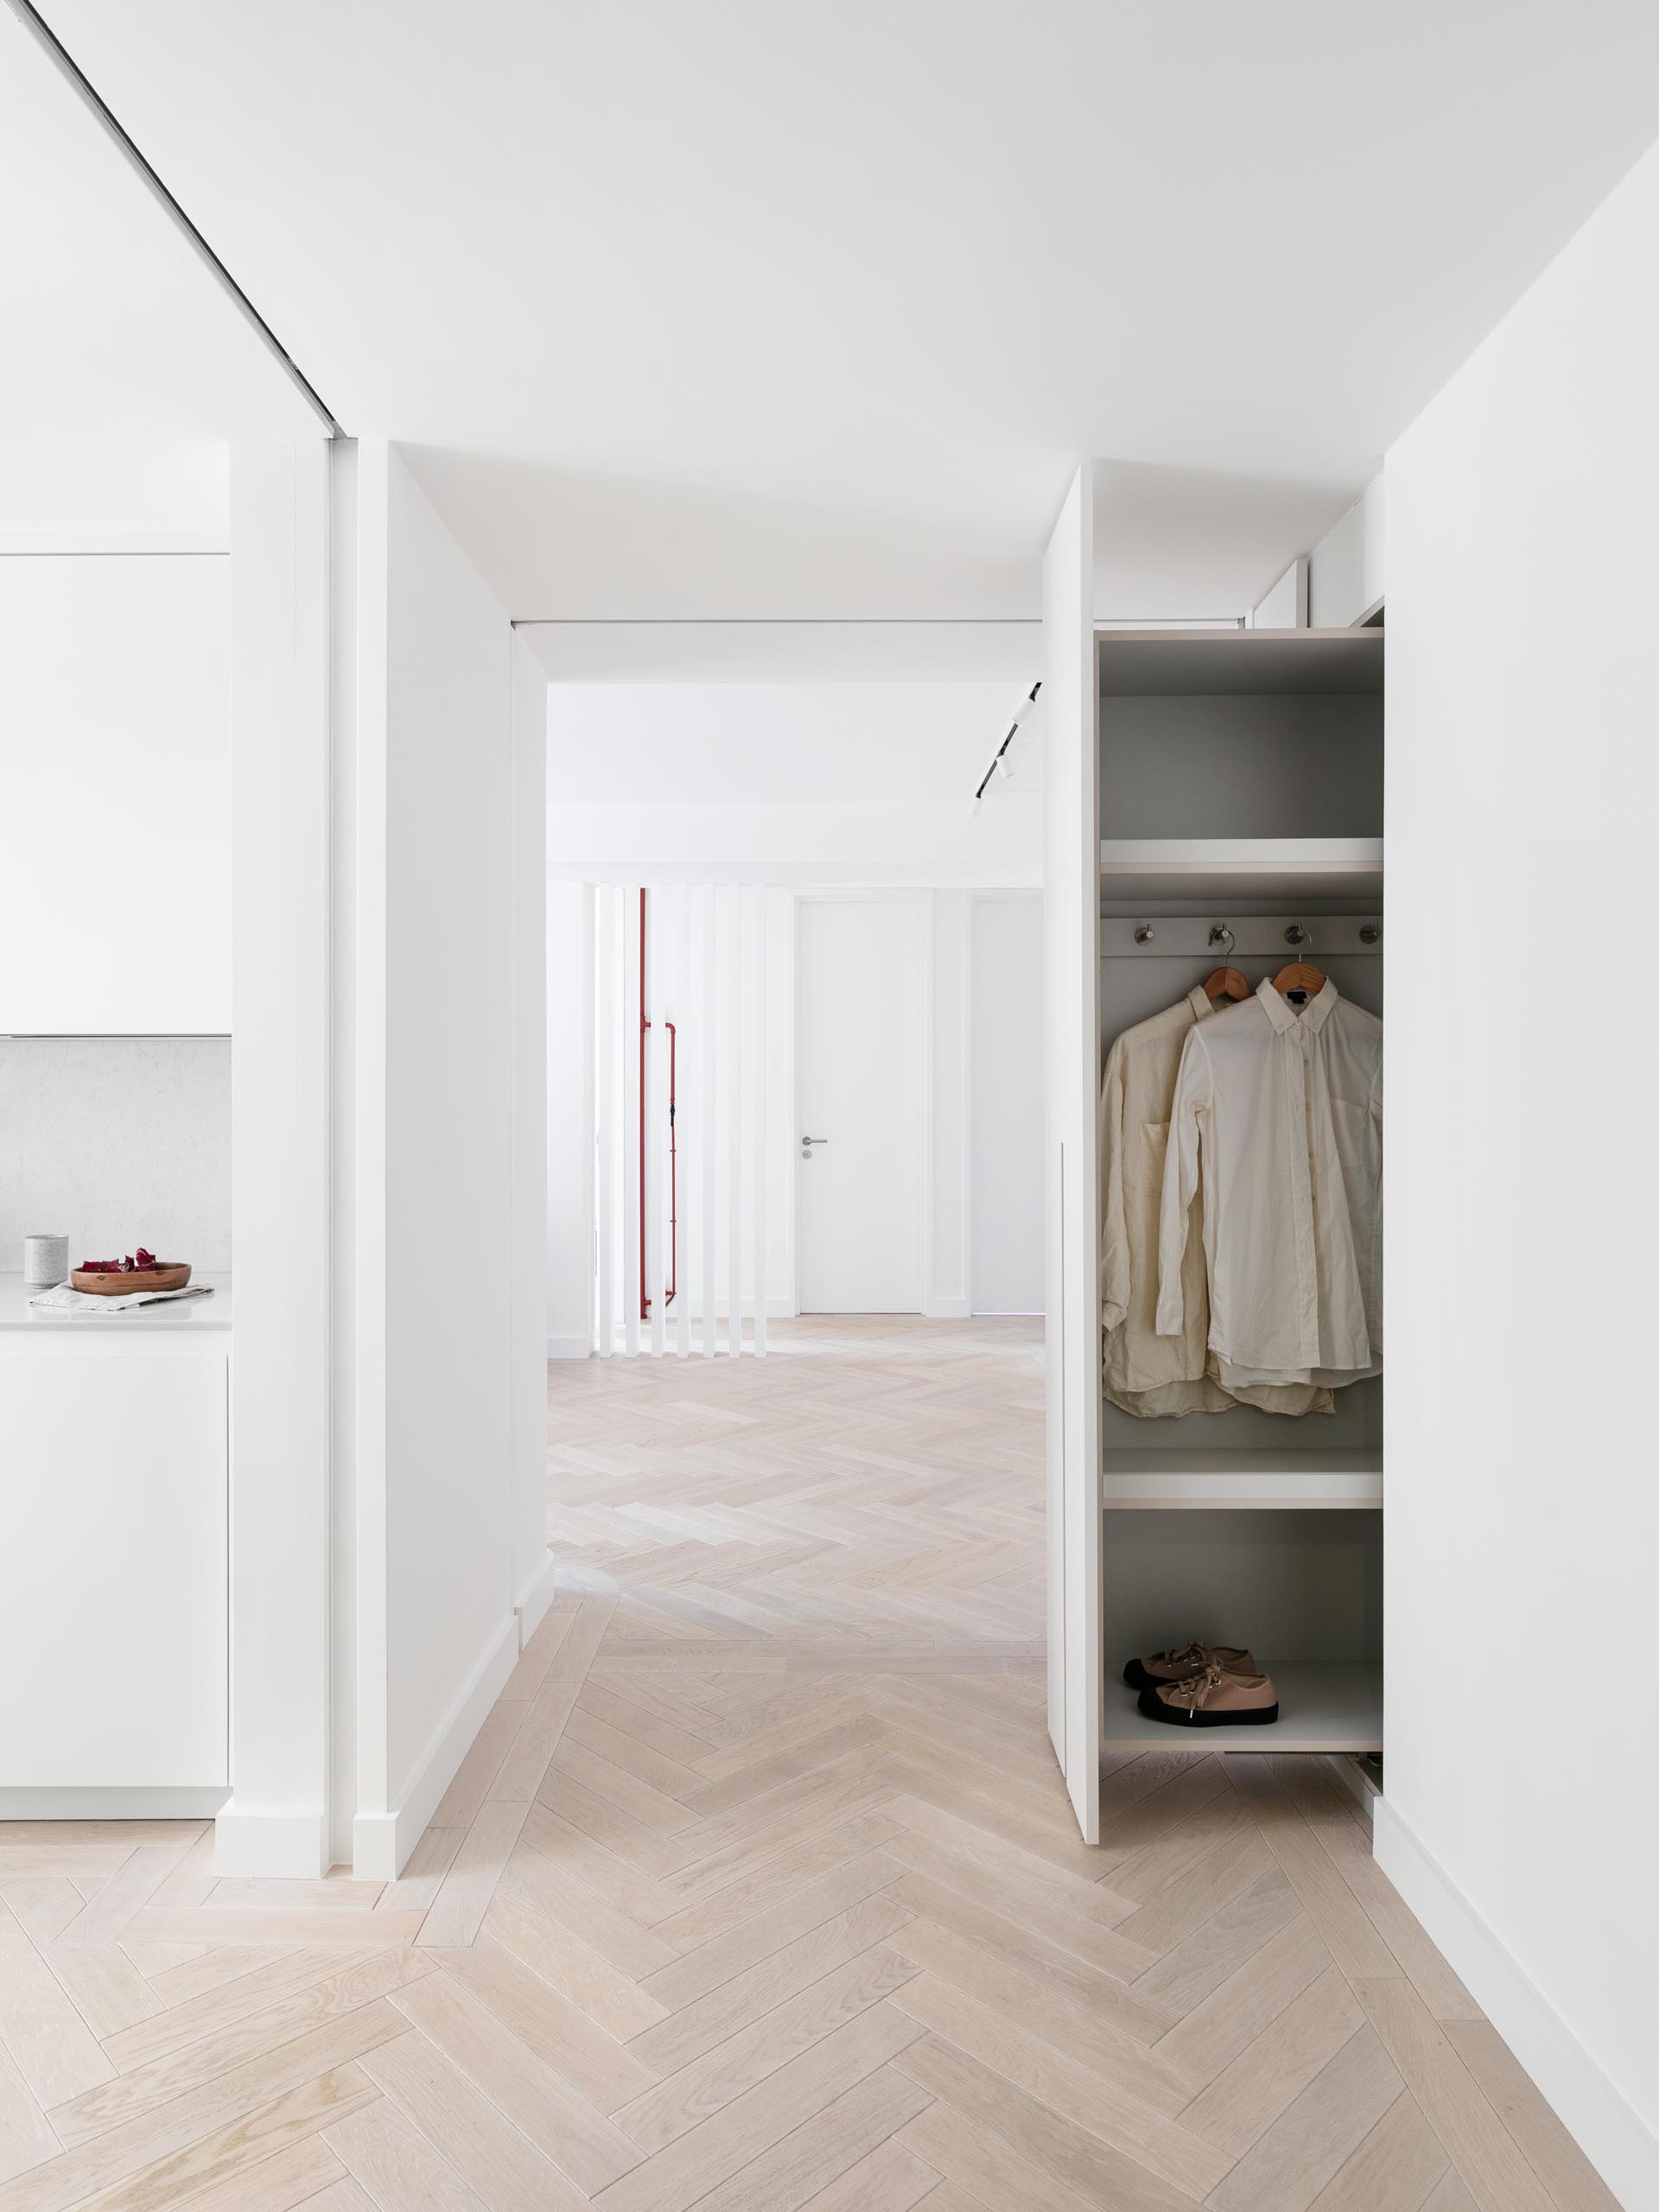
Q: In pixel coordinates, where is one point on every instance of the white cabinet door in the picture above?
(860, 1023)
(115, 795)
(1071, 1056)
(113, 1585)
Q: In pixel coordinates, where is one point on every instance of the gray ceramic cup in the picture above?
(46, 1262)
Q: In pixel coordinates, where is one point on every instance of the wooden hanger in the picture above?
(1299, 976)
(1225, 983)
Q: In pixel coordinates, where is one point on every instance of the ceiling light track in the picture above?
(39, 29)
(999, 762)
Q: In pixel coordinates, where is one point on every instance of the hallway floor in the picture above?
(759, 1889)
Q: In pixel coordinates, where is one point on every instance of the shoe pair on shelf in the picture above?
(1203, 1686)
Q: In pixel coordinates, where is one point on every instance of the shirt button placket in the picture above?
(1296, 1067)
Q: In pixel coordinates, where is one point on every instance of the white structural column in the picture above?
(628, 1135)
(277, 1821)
(607, 996)
(708, 1064)
(758, 1164)
(649, 1136)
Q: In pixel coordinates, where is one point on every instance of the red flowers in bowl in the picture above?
(136, 1263)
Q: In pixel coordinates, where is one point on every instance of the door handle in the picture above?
(807, 1144)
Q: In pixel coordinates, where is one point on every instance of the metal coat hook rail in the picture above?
(1186, 937)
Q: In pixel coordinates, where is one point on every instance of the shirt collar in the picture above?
(1284, 1017)
(1198, 999)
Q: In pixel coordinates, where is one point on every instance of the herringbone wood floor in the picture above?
(759, 1891)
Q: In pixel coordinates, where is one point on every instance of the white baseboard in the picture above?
(1607, 2128)
(569, 1348)
(381, 1842)
(280, 1845)
(948, 1309)
(111, 1804)
(536, 1596)
(778, 1308)
(1343, 1771)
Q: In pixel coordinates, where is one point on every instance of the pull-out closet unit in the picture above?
(1229, 786)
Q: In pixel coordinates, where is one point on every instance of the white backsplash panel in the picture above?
(114, 1142)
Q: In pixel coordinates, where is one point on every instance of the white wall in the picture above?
(1522, 1526)
(115, 792)
(437, 969)
(812, 783)
(1005, 1104)
(1345, 571)
(532, 1067)
(117, 1141)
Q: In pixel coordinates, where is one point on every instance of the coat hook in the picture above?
(1144, 934)
(1295, 934)
(1222, 935)
(1370, 932)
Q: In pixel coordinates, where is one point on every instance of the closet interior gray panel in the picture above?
(1282, 765)
(1291, 1585)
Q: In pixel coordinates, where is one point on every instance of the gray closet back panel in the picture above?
(1298, 1585)
(1280, 765)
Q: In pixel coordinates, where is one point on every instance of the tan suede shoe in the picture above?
(1181, 1666)
(1214, 1699)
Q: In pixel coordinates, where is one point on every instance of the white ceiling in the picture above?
(122, 369)
(747, 309)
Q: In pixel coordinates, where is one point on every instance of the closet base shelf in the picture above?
(1322, 1707)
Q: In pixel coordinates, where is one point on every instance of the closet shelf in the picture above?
(1293, 869)
(1321, 1708)
(1161, 1481)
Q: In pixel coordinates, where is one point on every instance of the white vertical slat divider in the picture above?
(679, 1013)
(734, 1131)
(605, 1032)
(656, 1120)
(758, 1084)
(627, 1150)
(708, 1067)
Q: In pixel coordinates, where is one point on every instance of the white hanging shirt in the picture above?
(1149, 1376)
(1285, 1112)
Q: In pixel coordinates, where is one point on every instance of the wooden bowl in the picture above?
(172, 1277)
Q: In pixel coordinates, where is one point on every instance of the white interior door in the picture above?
(1072, 1030)
(860, 1020)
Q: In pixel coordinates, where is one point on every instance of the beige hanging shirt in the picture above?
(1147, 1375)
(1277, 1123)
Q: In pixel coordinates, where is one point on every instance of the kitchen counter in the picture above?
(114, 1558)
(195, 1314)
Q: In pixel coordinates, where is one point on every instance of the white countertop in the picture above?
(214, 1313)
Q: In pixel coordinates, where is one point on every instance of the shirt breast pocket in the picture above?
(1358, 1140)
(1154, 1143)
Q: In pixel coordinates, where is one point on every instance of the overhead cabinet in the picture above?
(115, 767)
(1226, 787)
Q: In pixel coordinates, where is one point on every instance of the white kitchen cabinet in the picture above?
(114, 1512)
(115, 794)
